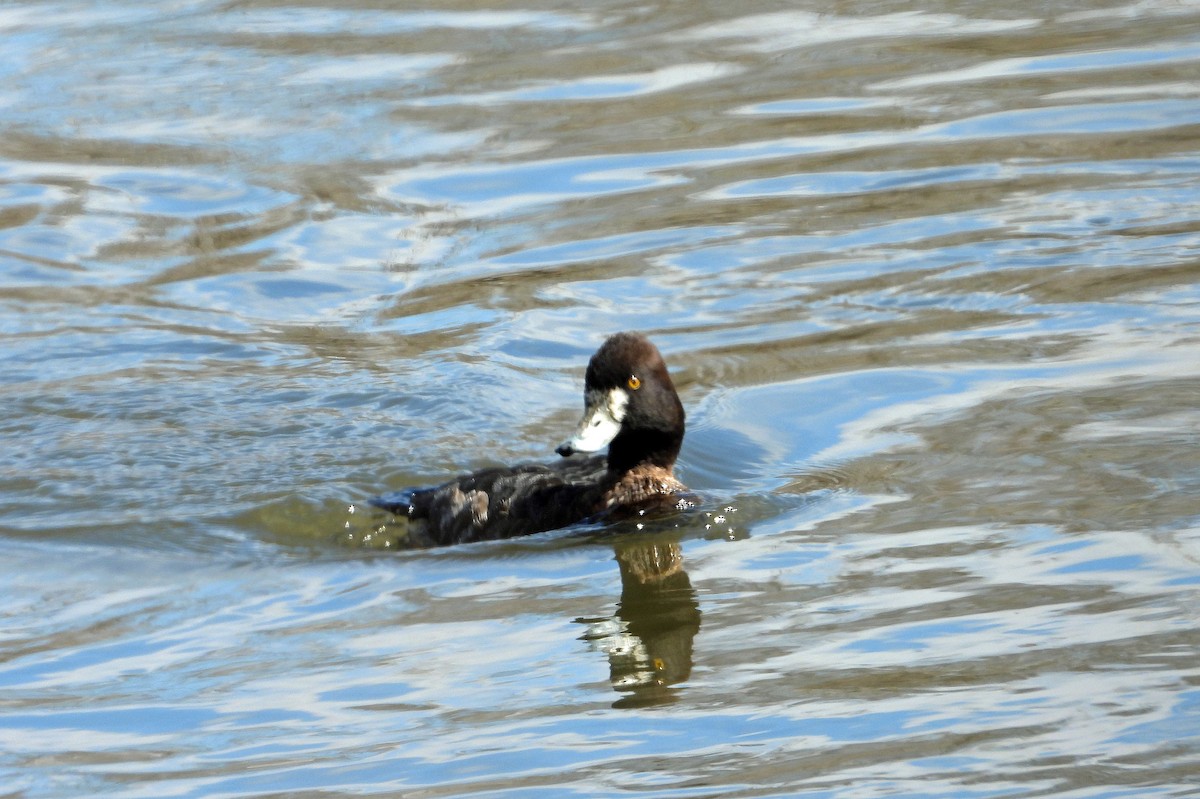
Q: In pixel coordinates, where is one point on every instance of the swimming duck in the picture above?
(630, 406)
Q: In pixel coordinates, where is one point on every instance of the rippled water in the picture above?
(929, 281)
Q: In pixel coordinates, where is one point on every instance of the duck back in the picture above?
(503, 502)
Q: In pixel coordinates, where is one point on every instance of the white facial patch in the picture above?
(602, 416)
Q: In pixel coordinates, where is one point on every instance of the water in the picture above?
(928, 280)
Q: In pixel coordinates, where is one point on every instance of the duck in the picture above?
(630, 407)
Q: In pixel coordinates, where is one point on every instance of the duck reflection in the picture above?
(649, 640)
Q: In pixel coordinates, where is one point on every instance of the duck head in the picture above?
(630, 406)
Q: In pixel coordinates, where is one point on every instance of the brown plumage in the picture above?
(630, 406)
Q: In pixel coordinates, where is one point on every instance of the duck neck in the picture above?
(635, 448)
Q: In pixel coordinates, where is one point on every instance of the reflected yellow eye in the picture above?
(634, 382)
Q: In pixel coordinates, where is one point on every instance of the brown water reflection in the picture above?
(649, 640)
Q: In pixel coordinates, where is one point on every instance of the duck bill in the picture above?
(602, 416)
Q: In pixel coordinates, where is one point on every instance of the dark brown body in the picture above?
(505, 502)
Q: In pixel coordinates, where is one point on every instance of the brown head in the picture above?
(630, 405)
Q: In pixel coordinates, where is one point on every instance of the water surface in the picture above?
(929, 284)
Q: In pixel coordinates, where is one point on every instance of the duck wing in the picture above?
(503, 502)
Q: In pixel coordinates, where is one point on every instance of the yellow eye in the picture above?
(634, 382)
